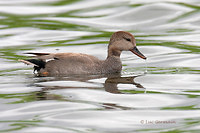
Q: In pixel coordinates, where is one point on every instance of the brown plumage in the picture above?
(77, 63)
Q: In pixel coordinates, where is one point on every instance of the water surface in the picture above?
(164, 99)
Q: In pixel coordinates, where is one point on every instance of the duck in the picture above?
(58, 64)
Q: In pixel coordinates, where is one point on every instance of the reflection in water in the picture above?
(110, 84)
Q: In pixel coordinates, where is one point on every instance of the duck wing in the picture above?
(43, 56)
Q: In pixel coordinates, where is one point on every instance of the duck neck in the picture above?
(113, 63)
(113, 52)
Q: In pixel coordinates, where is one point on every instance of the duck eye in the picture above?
(127, 39)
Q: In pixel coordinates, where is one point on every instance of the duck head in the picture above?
(123, 41)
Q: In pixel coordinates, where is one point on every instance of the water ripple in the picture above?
(163, 99)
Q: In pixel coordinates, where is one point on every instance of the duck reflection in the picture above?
(110, 85)
(112, 82)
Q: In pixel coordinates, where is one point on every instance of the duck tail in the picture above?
(37, 64)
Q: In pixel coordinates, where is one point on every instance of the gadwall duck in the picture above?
(77, 63)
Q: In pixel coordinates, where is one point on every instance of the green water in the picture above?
(163, 99)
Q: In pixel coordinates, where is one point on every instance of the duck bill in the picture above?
(138, 53)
